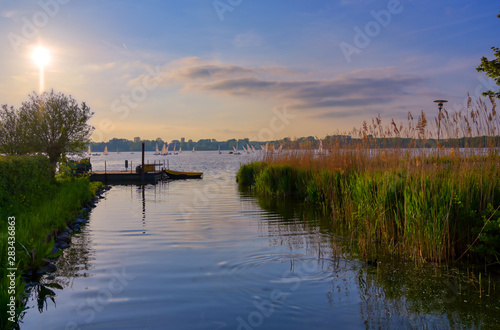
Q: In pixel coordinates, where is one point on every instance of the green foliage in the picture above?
(489, 235)
(22, 179)
(5, 299)
(492, 69)
(276, 180)
(429, 214)
(247, 172)
(34, 260)
(12, 132)
(68, 169)
(51, 123)
(40, 206)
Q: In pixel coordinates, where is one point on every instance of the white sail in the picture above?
(164, 150)
(265, 147)
(193, 149)
(106, 150)
(321, 151)
(157, 152)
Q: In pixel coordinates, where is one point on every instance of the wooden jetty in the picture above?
(126, 177)
(145, 173)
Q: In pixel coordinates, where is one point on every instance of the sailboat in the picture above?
(157, 152)
(106, 150)
(321, 151)
(193, 149)
(89, 153)
(265, 148)
(175, 145)
(236, 152)
(164, 150)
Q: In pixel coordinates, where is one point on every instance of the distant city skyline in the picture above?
(246, 69)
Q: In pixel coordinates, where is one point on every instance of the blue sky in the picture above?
(247, 68)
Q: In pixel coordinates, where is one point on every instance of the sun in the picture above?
(41, 56)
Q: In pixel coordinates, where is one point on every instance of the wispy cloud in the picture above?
(374, 87)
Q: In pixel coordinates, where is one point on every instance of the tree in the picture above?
(12, 133)
(53, 124)
(492, 69)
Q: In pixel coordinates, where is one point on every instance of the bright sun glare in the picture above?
(41, 56)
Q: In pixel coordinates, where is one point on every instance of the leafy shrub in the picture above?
(489, 236)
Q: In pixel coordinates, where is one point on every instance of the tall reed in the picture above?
(417, 201)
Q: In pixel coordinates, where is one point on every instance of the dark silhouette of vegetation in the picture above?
(492, 69)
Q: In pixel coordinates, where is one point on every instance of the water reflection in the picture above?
(203, 255)
(75, 262)
(392, 292)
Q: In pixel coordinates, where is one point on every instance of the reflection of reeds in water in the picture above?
(393, 293)
(388, 184)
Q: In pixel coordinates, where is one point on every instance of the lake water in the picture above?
(202, 254)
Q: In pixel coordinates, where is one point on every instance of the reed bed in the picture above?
(424, 203)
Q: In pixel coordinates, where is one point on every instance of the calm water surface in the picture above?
(201, 254)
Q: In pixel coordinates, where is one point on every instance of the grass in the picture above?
(39, 212)
(427, 204)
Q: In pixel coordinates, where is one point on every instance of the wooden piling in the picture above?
(142, 167)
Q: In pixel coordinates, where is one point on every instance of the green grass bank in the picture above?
(33, 205)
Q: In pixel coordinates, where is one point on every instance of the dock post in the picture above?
(142, 167)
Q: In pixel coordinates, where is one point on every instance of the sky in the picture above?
(255, 69)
